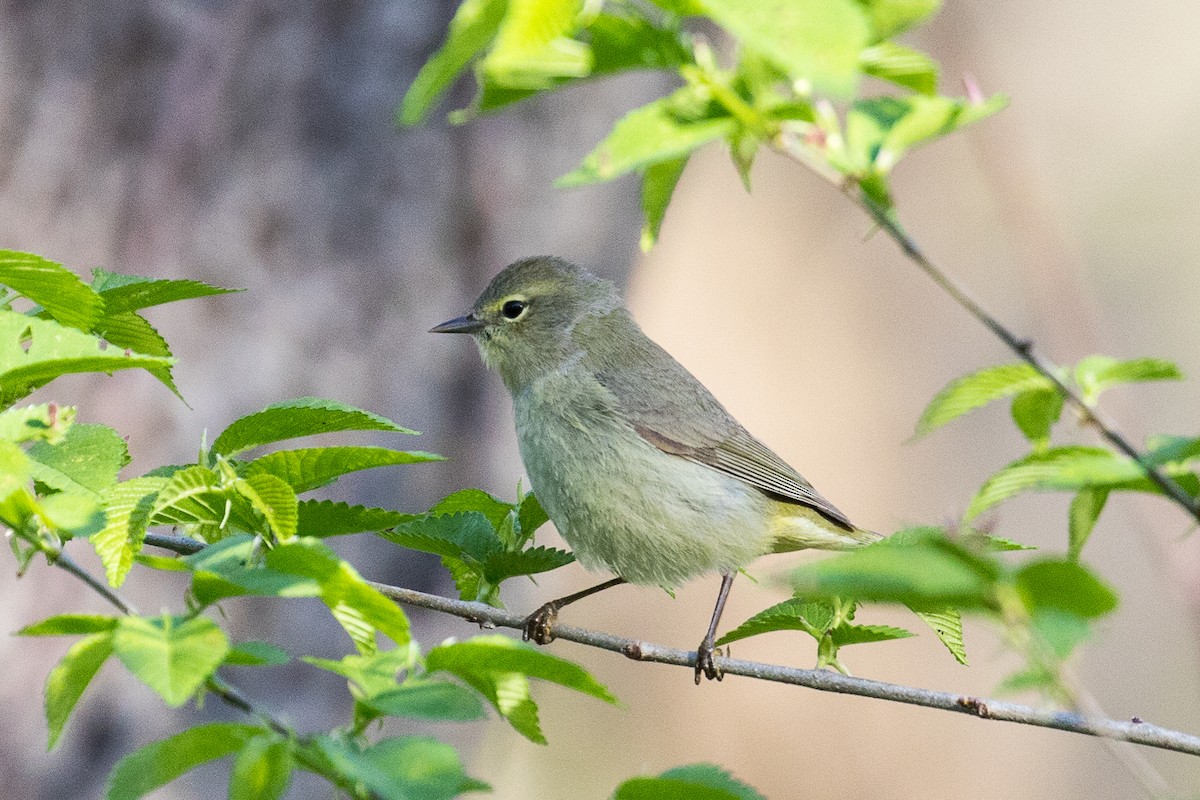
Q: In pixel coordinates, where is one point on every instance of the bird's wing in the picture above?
(673, 411)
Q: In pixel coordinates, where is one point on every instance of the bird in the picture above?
(643, 472)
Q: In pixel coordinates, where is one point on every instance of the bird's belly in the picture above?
(625, 506)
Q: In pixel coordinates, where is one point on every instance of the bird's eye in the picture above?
(513, 309)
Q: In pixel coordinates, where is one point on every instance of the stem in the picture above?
(787, 144)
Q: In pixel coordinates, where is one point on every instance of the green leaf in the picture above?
(1035, 412)
(191, 496)
(159, 763)
(926, 572)
(305, 416)
(262, 770)
(373, 674)
(664, 130)
(72, 514)
(46, 422)
(133, 332)
(70, 677)
(407, 768)
(86, 461)
(498, 653)
(59, 291)
(622, 42)
(844, 635)
(70, 625)
(658, 184)
(360, 609)
(817, 41)
(230, 568)
(493, 508)
(123, 293)
(1064, 586)
(171, 655)
(1061, 630)
(467, 534)
(1094, 374)
(275, 500)
(471, 30)
(257, 654)
(34, 352)
(978, 389)
(791, 615)
(947, 624)
(533, 50)
(323, 518)
(692, 782)
(309, 468)
(127, 508)
(1070, 468)
(892, 17)
(1085, 510)
(501, 566)
(531, 516)
(902, 66)
(428, 699)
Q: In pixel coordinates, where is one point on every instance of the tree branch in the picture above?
(793, 147)
(1134, 731)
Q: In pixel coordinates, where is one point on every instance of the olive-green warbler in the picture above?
(639, 467)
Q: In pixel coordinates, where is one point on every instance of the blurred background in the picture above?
(251, 144)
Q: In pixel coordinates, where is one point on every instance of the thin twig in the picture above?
(62, 560)
(791, 146)
(1135, 731)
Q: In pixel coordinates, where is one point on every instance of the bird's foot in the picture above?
(539, 626)
(706, 666)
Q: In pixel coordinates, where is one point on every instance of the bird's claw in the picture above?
(706, 666)
(539, 626)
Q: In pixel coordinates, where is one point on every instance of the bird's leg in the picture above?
(539, 626)
(704, 653)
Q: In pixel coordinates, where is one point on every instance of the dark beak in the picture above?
(467, 324)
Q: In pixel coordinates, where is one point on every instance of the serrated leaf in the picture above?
(257, 654)
(1094, 374)
(86, 461)
(1035, 412)
(262, 770)
(471, 30)
(371, 674)
(902, 66)
(275, 500)
(495, 509)
(844, 635)
(1085, 510)
(59, 291)
(70, 677)
(127, 507)
(504, 565)
(309, 468)
(46, 422)
(159, 763)
(790, 615)
(171, 655)
(880, 130)
(324, 518)
(947, 624)
(692, 782)
(1064, 586)
(34, 352)
(1063, 468)
(816, 41)
(230, 568)
(497, 653)
(403, 768)
(360, 609)
(133, 332)
(978, 389)
(533, 48)
(428, 699)
(123, 293)
(531, 516)
(658, 185)
(466, 534)
(72, 514)
(665, 130)
(193, 495)
(291, 419)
